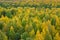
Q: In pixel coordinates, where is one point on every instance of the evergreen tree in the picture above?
(3, 36)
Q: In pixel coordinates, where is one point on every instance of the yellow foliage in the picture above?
(11, 28)
(28, 10)
(32, 33)
(57, 20)
(35, 19)
(20, 9)
(38, 36)
(26, 27)
(5, 19)
(57, 37)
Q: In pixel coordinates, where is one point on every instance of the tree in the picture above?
(3, 36)
(11, 33)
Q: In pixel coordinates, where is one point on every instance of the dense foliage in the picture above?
(30, 23)
(31, 3)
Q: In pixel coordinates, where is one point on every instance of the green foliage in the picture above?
(29, 21)
(24, 35)
(1, 25)
(23, 23)
(8, 14)
(3, 36)
(47, 37)
(11, 35)
(53, 21)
